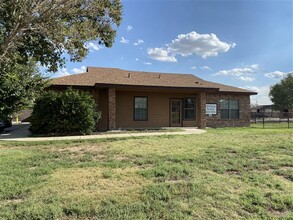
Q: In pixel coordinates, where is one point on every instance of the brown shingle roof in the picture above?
(113, 76)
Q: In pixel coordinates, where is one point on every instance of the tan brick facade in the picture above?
(244, 111)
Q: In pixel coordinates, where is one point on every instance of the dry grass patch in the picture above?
(95, 183)
(286, 168)
(83, 148)
(95, 151)
(11, 201)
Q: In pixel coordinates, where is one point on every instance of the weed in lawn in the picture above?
(255, 201)
(168, 172)
(262, 180)
(107, 174)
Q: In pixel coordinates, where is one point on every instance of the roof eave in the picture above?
(239, 92)
(67, 85)
(106, 85)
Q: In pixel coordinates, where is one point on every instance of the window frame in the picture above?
(147, 108)
(229, 109)
(194, 108)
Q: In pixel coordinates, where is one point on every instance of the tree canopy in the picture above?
(281, 93)
(39, 32)
(19, 87)
(45, 29)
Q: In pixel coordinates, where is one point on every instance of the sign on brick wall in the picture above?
(211, 109)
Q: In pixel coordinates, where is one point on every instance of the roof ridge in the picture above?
(94, 67)
(141, 71)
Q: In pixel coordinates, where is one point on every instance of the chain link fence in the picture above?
(271, 119)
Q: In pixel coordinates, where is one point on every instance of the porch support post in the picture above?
(112, 109)
(202, 110)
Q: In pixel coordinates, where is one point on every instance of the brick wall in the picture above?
(201, 110)
(112, 108)
(244, 111)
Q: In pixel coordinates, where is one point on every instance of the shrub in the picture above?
(70, 112)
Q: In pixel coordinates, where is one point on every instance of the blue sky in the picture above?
(244, 43)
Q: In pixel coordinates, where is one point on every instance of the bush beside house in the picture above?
(70, 112)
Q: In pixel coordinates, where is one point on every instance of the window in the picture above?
(140, 108)
(189, 109)
(229, 108)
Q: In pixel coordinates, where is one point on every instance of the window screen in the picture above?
(140, 108)
(189, 109)
(229, 108)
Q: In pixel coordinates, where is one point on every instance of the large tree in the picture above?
(45, 29)
(281, 93)
(40, 32)
(20, 86)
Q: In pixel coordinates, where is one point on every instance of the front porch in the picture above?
(134, 108)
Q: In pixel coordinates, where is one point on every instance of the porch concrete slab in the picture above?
(22, 135)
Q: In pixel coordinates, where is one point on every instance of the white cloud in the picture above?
(161, 54)
(262, 97)
(147, 63)
(129, 28)
(124, 41)
(136, 59)
(205, 68)
(246, 78)
(193, 67)
(254, 66)
(275, 75)
(62, 72)
(245, 73)
(82, 69)
(93, 46)
(203, 45)
(139, 41)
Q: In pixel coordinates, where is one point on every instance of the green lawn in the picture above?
(222, 174)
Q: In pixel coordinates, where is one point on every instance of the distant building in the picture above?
(268, 111)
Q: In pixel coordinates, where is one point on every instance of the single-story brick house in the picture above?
(132, 99)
